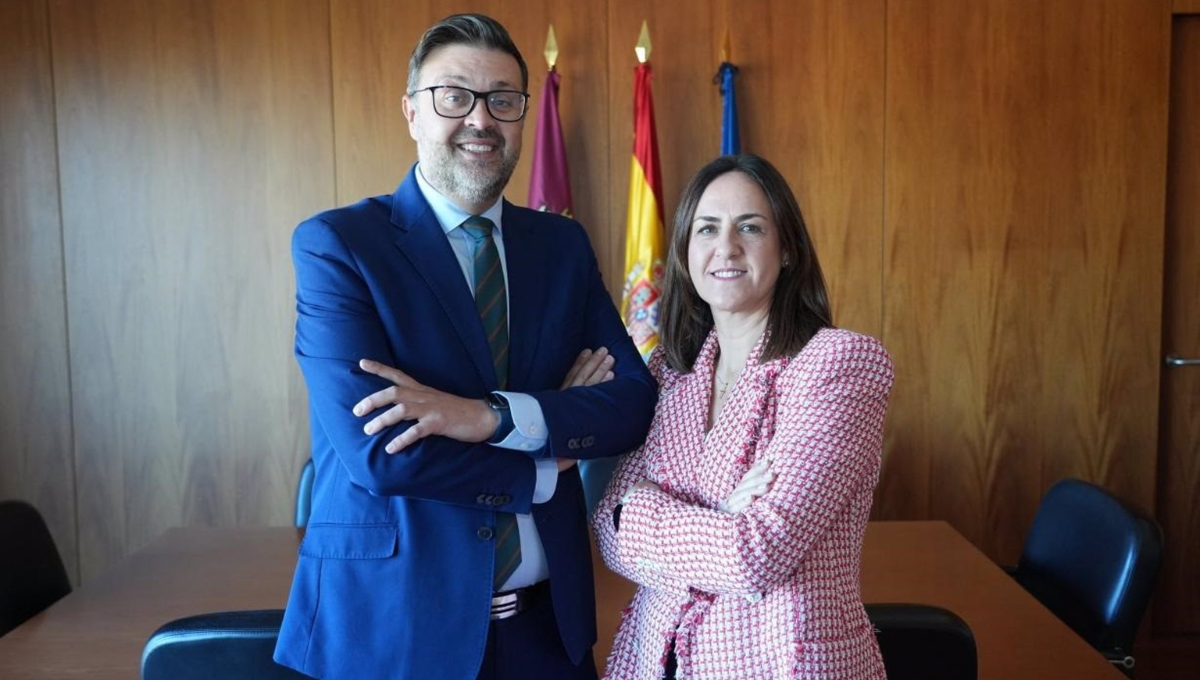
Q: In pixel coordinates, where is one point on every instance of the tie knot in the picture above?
(478, 227)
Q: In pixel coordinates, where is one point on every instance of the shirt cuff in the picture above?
(547, 480)
(529, 426)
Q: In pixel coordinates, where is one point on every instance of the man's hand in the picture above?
(590, 368)
(755, 483)
(465, 420)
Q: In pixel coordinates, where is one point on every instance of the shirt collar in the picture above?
(449, 215)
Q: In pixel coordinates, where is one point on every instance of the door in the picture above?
(1176, 611)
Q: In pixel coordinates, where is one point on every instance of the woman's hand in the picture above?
(755, 483)
(590, 368)
(644, 484)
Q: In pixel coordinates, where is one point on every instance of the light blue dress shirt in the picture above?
(529, 431)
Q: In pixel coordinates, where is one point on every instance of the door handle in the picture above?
(1180, 361)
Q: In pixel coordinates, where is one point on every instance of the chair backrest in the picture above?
(32, 575)
(1093, 562)
(923, 642)
(304, 490)
(228, 645)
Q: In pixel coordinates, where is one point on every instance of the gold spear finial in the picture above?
(725, 50)
(551, 49)
(643, 44)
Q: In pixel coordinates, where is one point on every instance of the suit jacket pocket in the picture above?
(350, 541)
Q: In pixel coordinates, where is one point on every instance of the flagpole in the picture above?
(642, 50)
(551, 49)
(731, 140)
(549, 180)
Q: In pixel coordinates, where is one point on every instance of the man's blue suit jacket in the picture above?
(394, 578)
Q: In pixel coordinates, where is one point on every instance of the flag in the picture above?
(644, 248)
(550, 183)
(731, 139)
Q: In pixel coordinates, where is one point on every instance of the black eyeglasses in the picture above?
(506, 106)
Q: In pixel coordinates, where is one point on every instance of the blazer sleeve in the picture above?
(338, 324)
(631, 470)
(827, 444)
(610, 418)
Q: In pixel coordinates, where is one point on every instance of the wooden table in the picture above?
(98, 631)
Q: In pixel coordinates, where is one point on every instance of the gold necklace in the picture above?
(722, 385)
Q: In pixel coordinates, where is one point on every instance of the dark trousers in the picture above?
(528, 647)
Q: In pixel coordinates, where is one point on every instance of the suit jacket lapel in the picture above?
(421, 239)
(527, 291)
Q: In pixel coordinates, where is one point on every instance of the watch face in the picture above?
(497, 401)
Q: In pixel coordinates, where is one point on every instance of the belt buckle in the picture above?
(506, 606)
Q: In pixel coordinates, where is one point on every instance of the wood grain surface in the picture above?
(193, 137)
(98, 632)
(1023, 256)
(1186, 6)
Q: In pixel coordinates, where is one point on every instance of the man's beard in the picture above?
(466, 180)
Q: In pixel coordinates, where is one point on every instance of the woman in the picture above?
(741, 518)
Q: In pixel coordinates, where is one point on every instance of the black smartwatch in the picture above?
(499, 404)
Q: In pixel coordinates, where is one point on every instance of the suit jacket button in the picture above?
(481, 499)
(503, 500)
(572, 444)
(484, 533)
(588, 441)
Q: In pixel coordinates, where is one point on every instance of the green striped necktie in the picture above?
(493, 312)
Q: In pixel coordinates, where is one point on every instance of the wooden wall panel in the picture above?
(1186, 6)
(194, 135)
(372, 43)
(36, 462)
(811, 101)
(984, 181)
(1024, 175)
(810, 97)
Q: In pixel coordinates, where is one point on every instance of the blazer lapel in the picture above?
(421, 240)
(527, 291)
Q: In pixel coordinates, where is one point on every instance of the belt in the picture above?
(509, 603)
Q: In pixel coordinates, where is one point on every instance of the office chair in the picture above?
(228, 645)
(1093, 562)
(304, 491)
(32, 575)
(923, 642)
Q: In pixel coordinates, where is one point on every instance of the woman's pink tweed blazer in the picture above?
(772, 592)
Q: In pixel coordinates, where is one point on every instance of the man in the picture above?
(447, 537)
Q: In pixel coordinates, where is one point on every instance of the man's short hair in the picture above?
(474, 30)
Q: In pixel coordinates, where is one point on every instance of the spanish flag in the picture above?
(644, 247)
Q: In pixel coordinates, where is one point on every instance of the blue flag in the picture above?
(731, 139)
